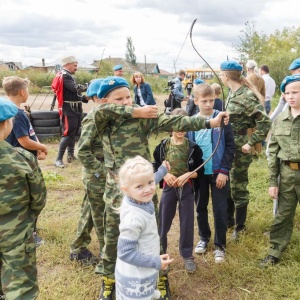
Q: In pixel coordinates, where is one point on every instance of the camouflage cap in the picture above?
(287, 80)
(94, 87)
(109, 84)
(7, 109)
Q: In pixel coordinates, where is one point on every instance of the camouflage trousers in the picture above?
(18, 271)
(288, 198)
(239, 177)
(92, 213)
(112, 198)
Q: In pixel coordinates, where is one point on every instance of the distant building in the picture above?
(56, 66)
(10, 65)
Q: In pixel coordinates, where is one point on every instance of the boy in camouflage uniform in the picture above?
(123, 138)
(90, 154)
(22, 197)
(284, 160)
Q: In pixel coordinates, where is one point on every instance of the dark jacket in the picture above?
(146, 92)
(223, 157)
(194, 160)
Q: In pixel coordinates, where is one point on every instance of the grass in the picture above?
(238, 278)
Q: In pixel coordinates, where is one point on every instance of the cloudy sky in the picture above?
(34, 29)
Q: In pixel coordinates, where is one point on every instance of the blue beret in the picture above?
(117, 67)
(295, 64)
(94, 87)
(7, 109)
(287, 80)
(198, 81)
(230, 65)
(109, 84)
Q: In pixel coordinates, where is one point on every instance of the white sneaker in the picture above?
(201, 247)
(219, 256)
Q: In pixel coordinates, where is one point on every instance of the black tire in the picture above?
(43, 115)
(45, 136)
(47, 130)
(46, 123)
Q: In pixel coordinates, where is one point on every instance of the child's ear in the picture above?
(195, 101)
(124, 189)
(104, 100)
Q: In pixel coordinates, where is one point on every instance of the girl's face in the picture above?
(142, 188)
(292, 94)
(138, 78)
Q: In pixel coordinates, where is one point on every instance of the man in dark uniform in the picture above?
(69, 97)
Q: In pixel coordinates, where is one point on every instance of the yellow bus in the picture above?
(202, 73)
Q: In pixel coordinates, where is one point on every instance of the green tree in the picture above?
(130, 55)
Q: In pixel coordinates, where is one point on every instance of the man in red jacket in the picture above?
(69, 97)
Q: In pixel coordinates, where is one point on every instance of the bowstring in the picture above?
(223, 94)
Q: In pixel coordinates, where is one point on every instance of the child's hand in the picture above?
(165, 261)
(221, 180)
(145, 112)
(166, 164)
(170, 179)
(41, 155)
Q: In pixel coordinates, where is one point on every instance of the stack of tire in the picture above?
(46, 124)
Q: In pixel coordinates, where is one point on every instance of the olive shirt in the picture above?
(284, 143)
(124, 137)
(245, 112)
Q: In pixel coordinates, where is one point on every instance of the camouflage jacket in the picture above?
(125, 137)
(245, 112)
(90, 149)
(22, 195)
(284, 143)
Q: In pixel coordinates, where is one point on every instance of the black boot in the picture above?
(240, 220)
(65, 140)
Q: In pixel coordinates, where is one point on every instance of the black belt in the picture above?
(240, 132)
(293, 165)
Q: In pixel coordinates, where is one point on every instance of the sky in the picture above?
(32, 30)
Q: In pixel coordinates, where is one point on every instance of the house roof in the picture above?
(81, 65)
(17, 64)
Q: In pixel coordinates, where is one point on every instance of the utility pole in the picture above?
(145, 66)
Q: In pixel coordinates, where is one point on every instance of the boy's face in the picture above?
(6, 127)
(120, 96)
(205, 104)
(292, 94)
(179, 134)
(24, 93)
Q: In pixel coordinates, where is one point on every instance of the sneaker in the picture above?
(189, 265)
(86, 257)
(269, 260)
(107, 289)
(201, 247)
(59, 163)
(164, 289)
(219, 256)
(38, 240)
(71, 158)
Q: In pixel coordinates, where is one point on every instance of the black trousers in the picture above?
(219, 203)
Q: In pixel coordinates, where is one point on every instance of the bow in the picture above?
(222, 123)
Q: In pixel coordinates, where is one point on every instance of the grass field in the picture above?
(238, 278)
